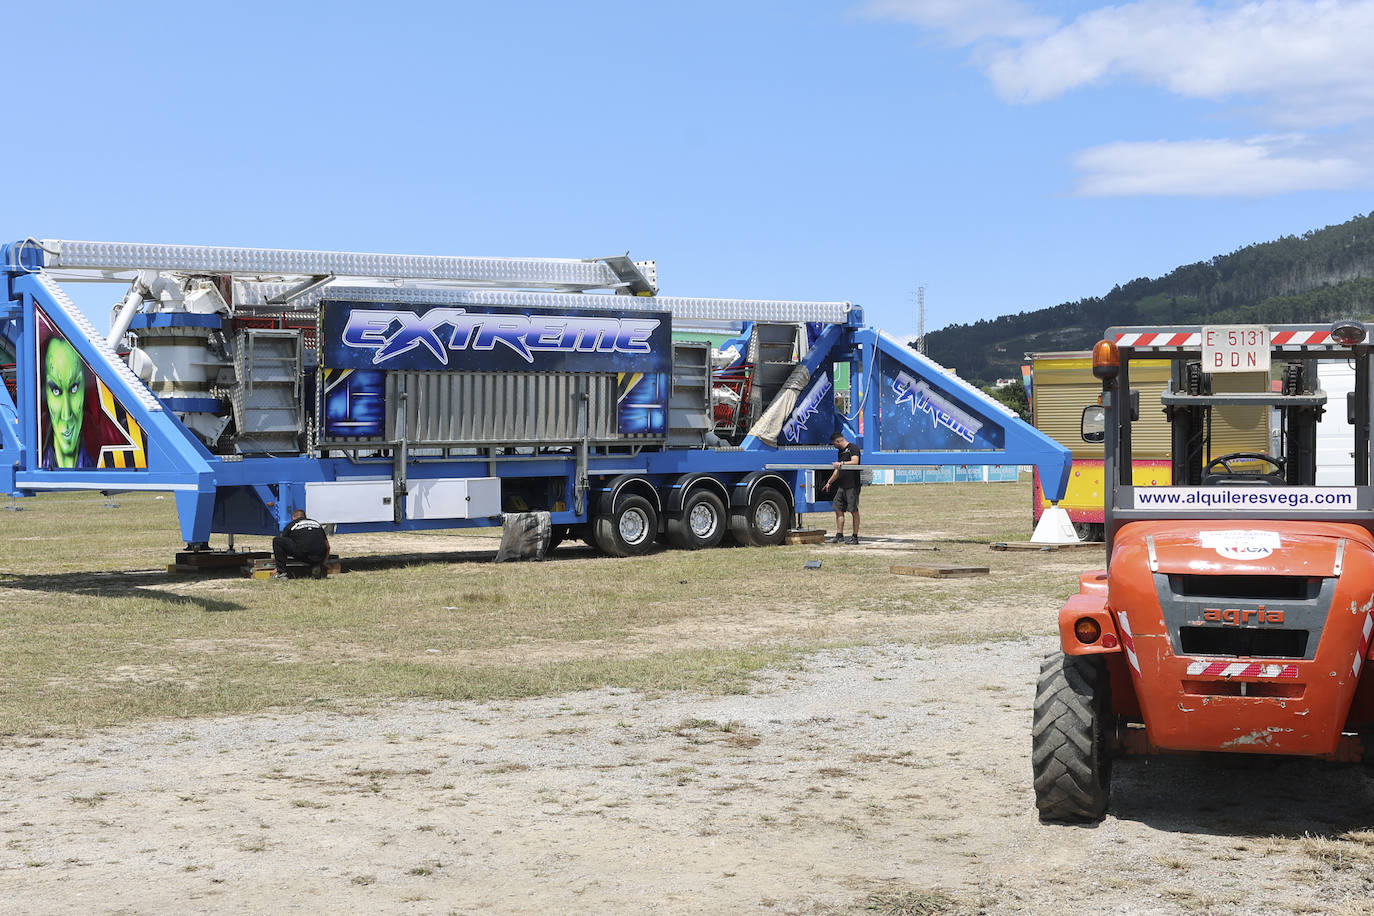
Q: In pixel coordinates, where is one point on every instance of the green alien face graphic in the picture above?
(64, 387)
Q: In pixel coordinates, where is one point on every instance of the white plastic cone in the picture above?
(1054, 527)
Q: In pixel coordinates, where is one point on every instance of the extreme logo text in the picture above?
(941, 411)
(808, 408)
(390, 333)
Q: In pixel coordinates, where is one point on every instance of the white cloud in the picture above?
(1307, 62)
(1291, 64)
(965, 21)
(1212, 168)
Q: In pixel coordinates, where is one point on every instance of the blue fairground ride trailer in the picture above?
(395, 392)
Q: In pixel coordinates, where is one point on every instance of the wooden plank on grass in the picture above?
(1032, 545)
(805, 536)
(263, 569)
(941, 572)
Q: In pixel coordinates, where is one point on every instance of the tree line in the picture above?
(1317, 277)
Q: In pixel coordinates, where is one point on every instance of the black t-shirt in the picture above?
(308, 538)
(848, 480)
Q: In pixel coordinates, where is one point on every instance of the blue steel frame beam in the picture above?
(1023, 443)
(176, 460)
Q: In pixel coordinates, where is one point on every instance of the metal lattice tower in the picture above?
(921, 320)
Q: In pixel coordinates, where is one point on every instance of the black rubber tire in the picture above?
(1090, 531)
(702, 523)
(764, 522)
(557, 535)
(1071, 735)
(629, 531)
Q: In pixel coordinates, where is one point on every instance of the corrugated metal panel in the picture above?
(1058, 413)
(1239, 429)
(500, 408)
(1150, 437)
(1065, 384)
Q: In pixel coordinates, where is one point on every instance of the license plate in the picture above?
(1235, 348)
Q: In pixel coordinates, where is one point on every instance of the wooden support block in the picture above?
(295, 569)
(1032, 545)
(199, 560)
(941, 572)
(805, 536)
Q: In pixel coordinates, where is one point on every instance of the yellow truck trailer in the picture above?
(1062, 384)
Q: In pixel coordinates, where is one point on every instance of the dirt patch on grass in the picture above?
(872, 780)
(880, 766)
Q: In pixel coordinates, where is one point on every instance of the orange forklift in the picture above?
(1235, 612)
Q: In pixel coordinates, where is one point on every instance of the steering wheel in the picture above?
(1230, 474)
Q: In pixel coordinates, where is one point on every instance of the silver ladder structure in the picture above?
(286, 280)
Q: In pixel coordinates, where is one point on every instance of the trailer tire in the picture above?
(702, 523)
(629, 530)
(763, 522)
(1070, 739)
(1090, 531)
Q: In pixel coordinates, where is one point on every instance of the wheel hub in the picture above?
(768, 517)
(633, 526)
(702, 521)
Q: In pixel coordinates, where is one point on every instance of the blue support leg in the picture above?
(196, 511)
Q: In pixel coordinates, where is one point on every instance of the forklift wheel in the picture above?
(1070, 739)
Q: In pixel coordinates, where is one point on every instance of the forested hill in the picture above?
(1319, 276)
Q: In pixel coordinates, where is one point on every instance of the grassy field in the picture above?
(94, 631)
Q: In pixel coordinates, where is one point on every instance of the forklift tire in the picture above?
(629, 530)
(764, 522)
(702, 523)
(1071, 739)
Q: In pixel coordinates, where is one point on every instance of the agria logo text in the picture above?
(390, 333)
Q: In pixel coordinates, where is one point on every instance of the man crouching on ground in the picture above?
(844, 486)
(303, 539)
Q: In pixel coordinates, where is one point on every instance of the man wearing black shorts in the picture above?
(844, 488)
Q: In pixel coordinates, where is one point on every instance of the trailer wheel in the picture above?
(763, 523)
(629, 530)
(1090, 531)
(1070, 739)
(702, 523)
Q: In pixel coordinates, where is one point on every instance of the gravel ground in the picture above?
(878, 780)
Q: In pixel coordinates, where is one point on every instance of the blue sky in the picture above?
(1007, 155)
